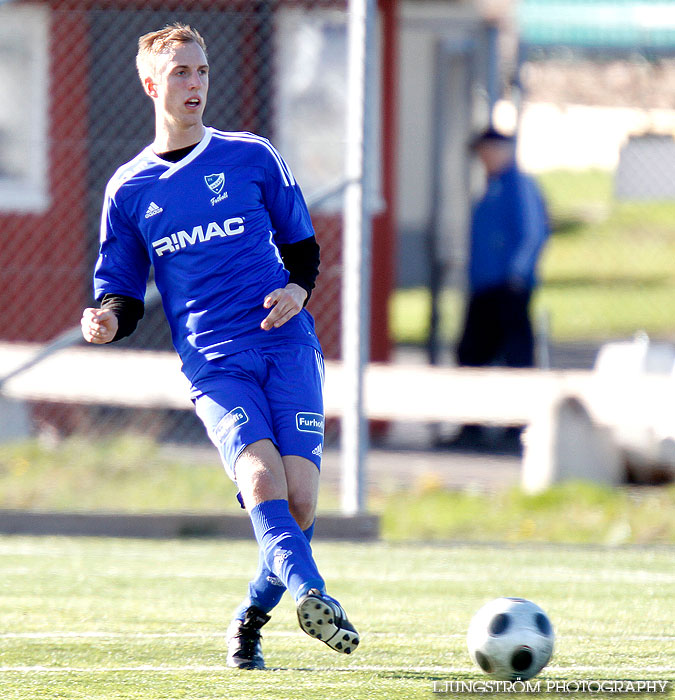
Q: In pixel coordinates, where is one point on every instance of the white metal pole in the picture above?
(356, 256)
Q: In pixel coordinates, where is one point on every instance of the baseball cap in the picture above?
(490, 135)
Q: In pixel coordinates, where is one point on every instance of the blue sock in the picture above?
(285, 549)
(265, 589)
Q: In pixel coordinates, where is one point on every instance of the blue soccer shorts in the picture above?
(273, 393)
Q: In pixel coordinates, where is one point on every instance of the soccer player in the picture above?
(222, 220)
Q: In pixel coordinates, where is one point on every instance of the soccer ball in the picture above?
(510, 639)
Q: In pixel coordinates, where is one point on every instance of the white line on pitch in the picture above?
(368, 668)
(220, 668)
(633, 578)
(193, 635)
(111, 635)
(271, 633)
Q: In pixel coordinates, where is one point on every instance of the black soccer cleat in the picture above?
(323, 618)
(243, 640)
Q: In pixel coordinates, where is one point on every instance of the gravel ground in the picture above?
(391, 469)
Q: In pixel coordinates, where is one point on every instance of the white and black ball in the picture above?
(510, 639)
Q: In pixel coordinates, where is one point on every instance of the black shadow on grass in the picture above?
(568, 225)
(412, 675)
(621, 281)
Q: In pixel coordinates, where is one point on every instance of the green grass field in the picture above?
(102, 619)
(607, 271)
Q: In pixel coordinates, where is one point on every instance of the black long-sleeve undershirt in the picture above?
(129, 312)
(301, 259)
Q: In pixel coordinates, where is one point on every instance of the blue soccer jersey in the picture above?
(210, 224)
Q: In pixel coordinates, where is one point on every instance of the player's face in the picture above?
(495, 156)
(182, 82)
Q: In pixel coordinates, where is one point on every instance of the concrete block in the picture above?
(622, 359)
(564, 442)
(15, 423)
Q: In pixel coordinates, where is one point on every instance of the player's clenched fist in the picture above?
(98, 325)
(285, 303)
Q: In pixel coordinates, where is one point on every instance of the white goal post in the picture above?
(356, 254)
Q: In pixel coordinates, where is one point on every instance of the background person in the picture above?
(509, 226)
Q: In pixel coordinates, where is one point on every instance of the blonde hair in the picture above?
(153, 44)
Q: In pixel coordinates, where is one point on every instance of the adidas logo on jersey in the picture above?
(153, 209)
(318, 450)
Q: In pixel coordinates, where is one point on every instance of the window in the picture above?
(311, 64)
(24, 41)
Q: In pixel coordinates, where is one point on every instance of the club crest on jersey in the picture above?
(215, 183)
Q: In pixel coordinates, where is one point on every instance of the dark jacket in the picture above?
(509, 227)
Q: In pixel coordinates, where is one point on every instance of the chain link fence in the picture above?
(77, 111)
(588, 87)
(593, 101)
(596, 126)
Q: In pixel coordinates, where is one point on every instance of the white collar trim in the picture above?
(175, 167)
